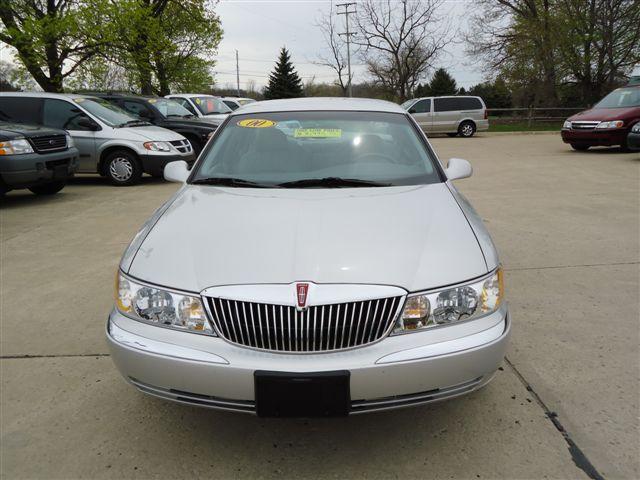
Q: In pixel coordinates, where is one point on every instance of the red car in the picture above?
(608, 123)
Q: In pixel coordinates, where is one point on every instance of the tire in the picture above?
(48, 188)
(467, 129)
(452, 134)
(123, 168)
(580, 147)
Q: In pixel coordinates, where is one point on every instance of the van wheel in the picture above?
(48, 188)
(467, 129)
(580, 147)
(452, 134)
(123, 168)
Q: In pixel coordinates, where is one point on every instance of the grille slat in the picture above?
(183, 146)
(319, 328)
(49, 143)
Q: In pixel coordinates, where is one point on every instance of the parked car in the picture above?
(373, 285)
(458, 115)
(235, 103)
(608, 123)
(34, 157)
(110, 141)
(633, 140)
(166, 113)
(203, 106)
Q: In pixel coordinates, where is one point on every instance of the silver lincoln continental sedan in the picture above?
(316, 261)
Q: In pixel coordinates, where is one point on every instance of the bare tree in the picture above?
(334, 58)
(400, 41)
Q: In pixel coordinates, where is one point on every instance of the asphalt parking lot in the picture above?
(564, 404)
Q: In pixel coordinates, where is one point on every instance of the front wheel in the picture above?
(580, 147)
(123, 168)
(48, 188)
(467, 129)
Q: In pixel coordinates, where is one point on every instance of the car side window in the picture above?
(186, 104)
(62, 114)
(453, 104)
(230, 104)
(21, 109)
(137, 108)
(423, 106)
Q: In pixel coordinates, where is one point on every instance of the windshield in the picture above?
(168, 107)
(271, 149)
(408, 103)
(621, 98)
(210, 105)
(106, 111)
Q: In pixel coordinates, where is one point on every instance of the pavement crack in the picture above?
(72, 355)
(577, 455)
(516, 269)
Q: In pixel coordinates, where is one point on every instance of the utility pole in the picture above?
(347, 34)
(237, 75)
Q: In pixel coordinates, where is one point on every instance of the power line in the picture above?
(347, 34)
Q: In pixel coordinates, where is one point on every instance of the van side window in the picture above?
(452, 104)
(21, 110)
(62, 114)
(423, 106)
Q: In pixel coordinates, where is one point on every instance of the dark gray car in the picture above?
(38, 158)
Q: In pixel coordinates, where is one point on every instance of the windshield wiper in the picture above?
(229, 182)
(332, 182)
(134, 123)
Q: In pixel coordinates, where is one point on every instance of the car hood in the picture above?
(216, 118)
(203, 123)
(606, 114)
(18, 130)
(151, 132)
(414, 237)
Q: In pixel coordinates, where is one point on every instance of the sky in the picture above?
(258, 29)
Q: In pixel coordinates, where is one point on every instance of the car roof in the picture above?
(320, 104)
(191, 95)
(45, 95)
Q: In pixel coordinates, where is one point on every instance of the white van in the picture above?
(456, 115)
(110, 141)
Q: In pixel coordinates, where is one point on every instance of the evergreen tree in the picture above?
(442, 84)
(284, 82)
(422, 91)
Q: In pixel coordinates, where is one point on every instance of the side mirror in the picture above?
(86, 122)
(176, 171)
(146, 114)
(458, 168)
(412, 110)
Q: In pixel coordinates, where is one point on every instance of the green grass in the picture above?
(523, 127)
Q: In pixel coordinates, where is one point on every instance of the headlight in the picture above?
(636, 128)
(567, 125)
(157, 146)
(161, 307)
(15, 147)
(70, 142)
(613, 124)
(464, 302)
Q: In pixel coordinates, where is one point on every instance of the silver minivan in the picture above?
(110, 141)
(456, 115)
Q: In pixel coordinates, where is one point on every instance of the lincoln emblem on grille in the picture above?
(52, 142)
(301, 293)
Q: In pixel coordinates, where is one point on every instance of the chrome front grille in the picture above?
(320, 328)
(49, 143)
(183, 146)
(583, 125)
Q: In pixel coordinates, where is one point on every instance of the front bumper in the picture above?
(398, 371)
(594, 138)
(154, 164)
(28, 170)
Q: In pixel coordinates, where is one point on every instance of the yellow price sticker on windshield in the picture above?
(152, 100)
(256, 123)
(78, 100)
(318, 133)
